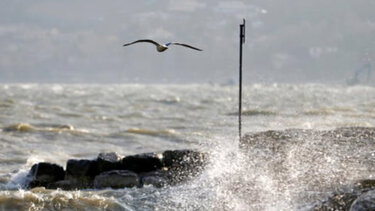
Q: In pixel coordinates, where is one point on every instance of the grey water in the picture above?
(56, 122)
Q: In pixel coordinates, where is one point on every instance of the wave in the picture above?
(156, 133)
(255, 112)
(319, 112)
(343, 111)
(54, 128)
(275, 169)
(7, 103)
(43, 199)
(136, 114)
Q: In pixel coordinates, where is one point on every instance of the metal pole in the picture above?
(242, 41)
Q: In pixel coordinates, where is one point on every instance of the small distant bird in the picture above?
(161, 48)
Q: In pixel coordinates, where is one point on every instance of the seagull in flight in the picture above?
(161, 48)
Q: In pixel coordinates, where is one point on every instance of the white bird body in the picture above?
(161, 48)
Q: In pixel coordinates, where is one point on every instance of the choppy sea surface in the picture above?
(56, 122)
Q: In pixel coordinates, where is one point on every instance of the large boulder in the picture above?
(42, 174)
(81, 172)
(157, 179)
(183, 164)
(142, 162)
(116, 179)
(185, 158)
(108, 161)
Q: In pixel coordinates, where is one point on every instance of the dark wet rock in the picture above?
(116, 179)
(365, 184)
(41, 174)
(81, 168)
(108, 161)
(142, 162)
(338, 201)
(157, 179)
(183, 164)
(185, 158)
(359, 196)
(109, 156)
(81, 172)
(364, 202)
(64, 185)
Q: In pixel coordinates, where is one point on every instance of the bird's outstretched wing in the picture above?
(149, 41)
(185, 45)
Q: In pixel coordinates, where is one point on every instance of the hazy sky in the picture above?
(286, 40)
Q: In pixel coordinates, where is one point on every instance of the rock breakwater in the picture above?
(110, 170)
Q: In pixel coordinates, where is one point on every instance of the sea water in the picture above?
(56, 122)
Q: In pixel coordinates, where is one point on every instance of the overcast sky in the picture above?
(286, 40)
